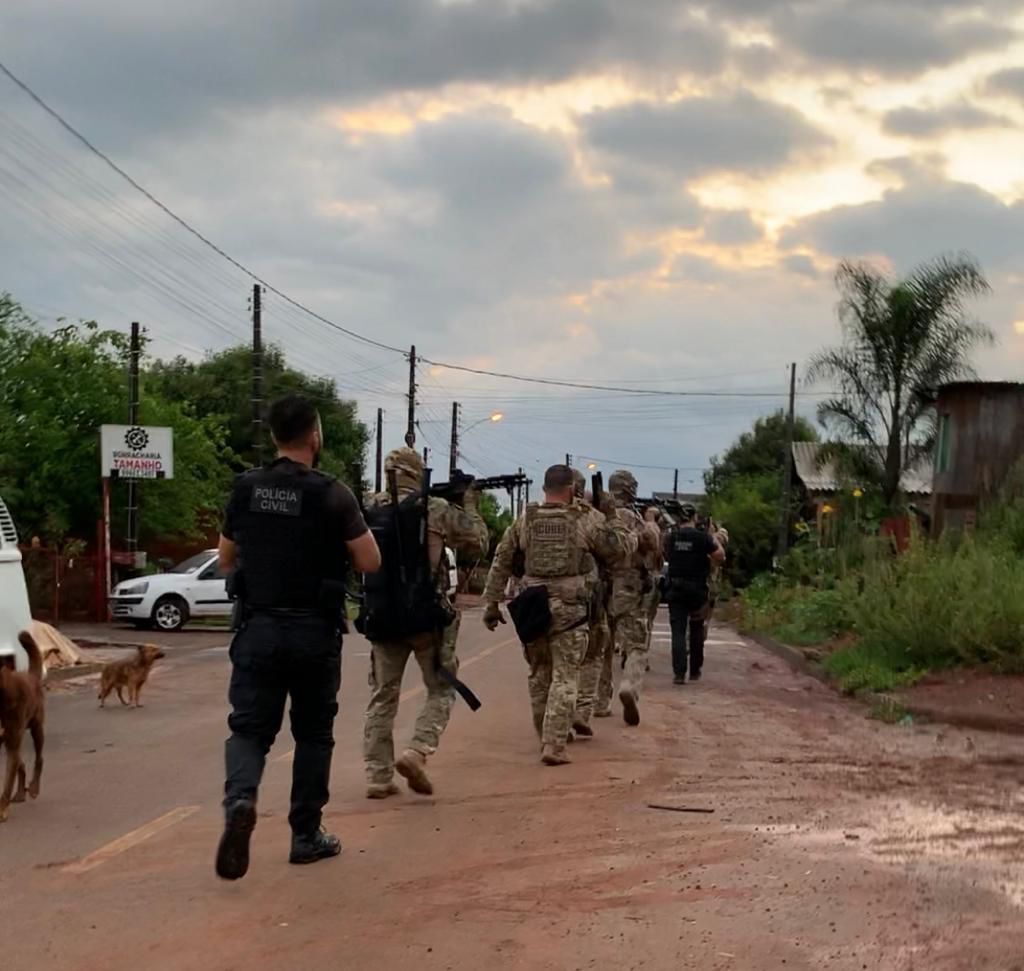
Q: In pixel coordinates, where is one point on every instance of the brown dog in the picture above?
(131, 673)
(22, 706)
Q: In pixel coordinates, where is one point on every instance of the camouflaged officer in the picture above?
(559, 542)
(460, 528)
(630, 587)
(654, 560)
(599, 637)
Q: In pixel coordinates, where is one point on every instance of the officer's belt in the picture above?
(291, 611)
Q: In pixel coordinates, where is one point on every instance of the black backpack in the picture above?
(401, 599)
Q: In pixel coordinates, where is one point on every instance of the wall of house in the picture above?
(981, 437)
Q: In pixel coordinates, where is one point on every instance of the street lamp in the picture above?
(591, 466)
(495, 418)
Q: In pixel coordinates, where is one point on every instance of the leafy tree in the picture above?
(902, 339)
(748, 506)
(220, 387)
(755, 453)
(56, 389)
(496, 518)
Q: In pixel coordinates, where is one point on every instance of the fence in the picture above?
(64, 585)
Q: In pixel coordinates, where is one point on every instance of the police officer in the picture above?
(290, 533)
(690, 552)
(558, 540)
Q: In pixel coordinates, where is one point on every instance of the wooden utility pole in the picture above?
(377, 481)
(568, 460)
(675, 485)
(410, 428)
(453, 454)
(257, 373)
(426, 455)
(787, 467)
(134, 351)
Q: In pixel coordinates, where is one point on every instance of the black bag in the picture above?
(401, 599)
(531, 614)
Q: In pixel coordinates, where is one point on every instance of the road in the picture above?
(836, 841)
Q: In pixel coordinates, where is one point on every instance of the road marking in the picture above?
(134, 838)
(420, 688)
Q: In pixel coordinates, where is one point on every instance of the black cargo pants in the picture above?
(276, 655)
(687, 610)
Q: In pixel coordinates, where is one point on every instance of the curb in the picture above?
(75, 671)
(977, 721)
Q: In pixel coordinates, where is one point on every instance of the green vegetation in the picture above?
(56, 389)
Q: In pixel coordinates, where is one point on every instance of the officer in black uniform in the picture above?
(690, 552)
(290, 534)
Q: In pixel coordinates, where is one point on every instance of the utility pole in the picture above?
(787, 466)
(134, 350)
(453, 453)
(675, 485)
(380, 451)
(410, 428)
(519, 492)
(426, 455)
(568, 460)
(257, 373)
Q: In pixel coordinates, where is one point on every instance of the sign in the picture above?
(136, 452)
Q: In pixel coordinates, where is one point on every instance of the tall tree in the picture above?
(901, 339)
(219, 387)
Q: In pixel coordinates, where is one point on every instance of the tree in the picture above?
(56, 389)
(901, 340)
(759, 451)
(496, 518)
(748, 506)
(220, 387)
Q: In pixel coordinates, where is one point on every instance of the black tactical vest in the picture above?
(290, 547)
(688, 554)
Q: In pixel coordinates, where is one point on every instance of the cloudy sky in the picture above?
(644, 193)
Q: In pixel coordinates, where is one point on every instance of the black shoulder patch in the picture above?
(277, 499)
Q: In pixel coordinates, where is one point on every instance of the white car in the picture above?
(15, 615)
(194, 588)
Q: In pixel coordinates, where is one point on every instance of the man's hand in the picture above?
(492, 616)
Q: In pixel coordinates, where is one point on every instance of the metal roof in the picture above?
(823, 476)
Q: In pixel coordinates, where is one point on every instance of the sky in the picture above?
(637, 193)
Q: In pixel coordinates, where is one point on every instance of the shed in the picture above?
(981, 438)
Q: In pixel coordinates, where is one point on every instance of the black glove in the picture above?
(492, 616)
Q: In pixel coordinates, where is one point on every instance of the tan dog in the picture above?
(131, 673)
(22, 706)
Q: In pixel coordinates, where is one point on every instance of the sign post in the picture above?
(131, 452)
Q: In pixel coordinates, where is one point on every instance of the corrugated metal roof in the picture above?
(820, 476)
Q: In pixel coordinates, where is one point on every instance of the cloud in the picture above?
(1008, 82)
(899, 39)
(731, 227)
(929, 122)
(801, 264)
(739, 133)
(917, 221)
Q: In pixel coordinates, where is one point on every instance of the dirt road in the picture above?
(835, 842)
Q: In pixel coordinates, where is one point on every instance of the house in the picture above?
(980, 440)
(821, 481)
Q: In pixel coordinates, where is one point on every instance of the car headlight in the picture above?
(132, 589)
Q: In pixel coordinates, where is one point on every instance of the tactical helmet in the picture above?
(408, 466)
(688, 510)
(579, 484)
(622, 485)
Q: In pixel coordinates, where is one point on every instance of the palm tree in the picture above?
(902, 339)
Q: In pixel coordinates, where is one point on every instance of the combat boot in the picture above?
(582, 730)
(233, 851)
(603, 713)
(630, 708)
(412, 766)
(381, 790)
(315, 846)
(551, 755)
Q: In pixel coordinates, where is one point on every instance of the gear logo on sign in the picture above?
(136, 439)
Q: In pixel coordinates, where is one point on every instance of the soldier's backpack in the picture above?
(401, 599)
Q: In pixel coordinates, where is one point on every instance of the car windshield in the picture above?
(191, 564)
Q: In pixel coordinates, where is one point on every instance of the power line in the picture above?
(637, 465)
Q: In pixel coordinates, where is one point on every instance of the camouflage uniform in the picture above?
(463, 530)
(628, 608)
(715, 578)
(653, 561)
(564, 565)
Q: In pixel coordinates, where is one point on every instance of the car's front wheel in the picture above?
(170, 613)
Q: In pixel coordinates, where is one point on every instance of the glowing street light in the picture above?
(591, 466)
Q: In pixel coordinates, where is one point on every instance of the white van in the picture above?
(15, 615)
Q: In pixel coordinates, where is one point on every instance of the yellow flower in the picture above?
(857, 493)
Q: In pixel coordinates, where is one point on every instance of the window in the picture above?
(213, 572)
(942, 453)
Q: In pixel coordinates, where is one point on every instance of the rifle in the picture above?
(454, 490)
(596, 489)
(463, 690)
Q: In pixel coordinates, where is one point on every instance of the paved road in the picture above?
(835, 841)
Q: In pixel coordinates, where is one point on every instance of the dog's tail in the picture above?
(35, 657)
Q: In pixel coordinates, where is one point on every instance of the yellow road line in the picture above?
(419, 689)
(126, 842)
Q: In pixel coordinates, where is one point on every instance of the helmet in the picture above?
(688, 510)
(579, 484)
(408, 466)
(622, 485)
